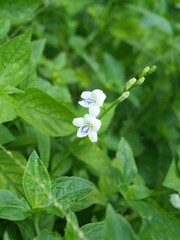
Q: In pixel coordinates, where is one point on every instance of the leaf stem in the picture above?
(36, 223)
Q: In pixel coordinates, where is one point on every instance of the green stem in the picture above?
(36, 223)
(109, 108)
(70, 150)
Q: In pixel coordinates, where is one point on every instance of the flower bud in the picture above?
(130, 83)
(123, 97)
(144, 71)
(140, 81)
(152, 69)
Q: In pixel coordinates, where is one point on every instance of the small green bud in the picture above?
(140, 81)
(152, 69)
(123, 97)
(144, 71)
(130, 83)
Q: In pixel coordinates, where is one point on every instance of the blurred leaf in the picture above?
(125, 161)
(134, 192)
(48, 235)
(18, 11)
(97, 160)
(155, 222)
(11, 207)
(14, 60)
(5, 135)
(4, 27)
(44, 146)
(116, 226)
(36, 181)
(44, 113)
(94, 231)
(12, 166)
(172, 179)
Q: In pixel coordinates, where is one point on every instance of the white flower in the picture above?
(175, 200)
(88, 126)
(93, 100)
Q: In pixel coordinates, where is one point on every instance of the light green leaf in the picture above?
(125, 161)
(97, 160)
(36, 182)
(12, 166)
(4, 27)
(48, 235)
(8, 108)
(116, 227)
(157, 224)
(172, 179)
(44, 113)
(10, 90)
(14, 60)
(5, 135)
(11, 207)
(71, 192)
(94, 231)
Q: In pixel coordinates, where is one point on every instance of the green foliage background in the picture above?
(50, 51)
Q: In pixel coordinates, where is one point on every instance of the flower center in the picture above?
(89, 101)
(85, 129)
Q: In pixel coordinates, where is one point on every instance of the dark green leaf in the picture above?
(36, 182)
(44, 113)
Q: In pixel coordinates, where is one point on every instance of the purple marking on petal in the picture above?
(88, 101)
(84, 129)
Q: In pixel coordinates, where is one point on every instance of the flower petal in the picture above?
(94, 111)
(86, 103)
(78, 122)
(98, 96)
(83, 131)
(96, 124)
(175, 200)
(93, 136)
(86, 94)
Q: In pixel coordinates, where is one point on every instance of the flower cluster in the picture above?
(89, 125)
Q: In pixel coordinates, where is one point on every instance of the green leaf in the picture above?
(5, 135)
(44, 113)
(8, 108)
(36, 182)
(172, 179)
(14, 60)
(125, 161)
(97, 160)
(12, 166)
(9, 90)
(11, 207)
(48, 235)
(134, 192)
(157, 224)
(70, 233)
(116, 227)
(94, 231)
(44, 146)
(71, 192)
